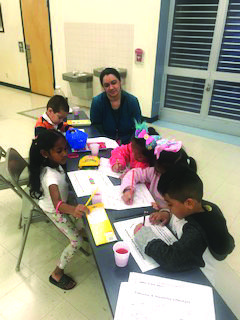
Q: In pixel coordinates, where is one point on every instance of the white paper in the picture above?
(125, 229)
(85, 182)
(110, 143)
(106, 168)
(142, 301)
(113, 199)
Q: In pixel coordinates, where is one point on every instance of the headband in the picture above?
(142, 132)
(167, 145)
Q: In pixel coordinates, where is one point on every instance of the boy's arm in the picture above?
(184, 254)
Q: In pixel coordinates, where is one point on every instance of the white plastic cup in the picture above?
(94, 147)
(121, 253)
(76, 110)
(97, 198)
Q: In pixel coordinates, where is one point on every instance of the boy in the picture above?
(197, 224)
(57, 110)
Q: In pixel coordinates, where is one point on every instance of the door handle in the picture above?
(28, 53)
(208, 87)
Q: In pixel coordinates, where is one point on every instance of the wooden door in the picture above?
(38, 45)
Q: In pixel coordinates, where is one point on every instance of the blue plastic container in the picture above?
(77, 139)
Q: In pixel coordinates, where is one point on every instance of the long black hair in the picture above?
(46, 140)
(168, 159)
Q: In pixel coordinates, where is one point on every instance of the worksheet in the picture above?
(113, 199)
(125, 229)
(85, 182)
(147, 299)
(106, 168)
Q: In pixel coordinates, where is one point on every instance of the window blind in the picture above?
(225, 102)
(184, 93)
(192, 33)
(229, 59)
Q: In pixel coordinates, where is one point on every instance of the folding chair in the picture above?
(30, 211)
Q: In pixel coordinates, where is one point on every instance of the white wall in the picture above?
(13, 65)
(142, 14)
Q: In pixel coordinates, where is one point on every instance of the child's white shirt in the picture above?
(48, 177)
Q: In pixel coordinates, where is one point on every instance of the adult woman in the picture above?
(113, 111)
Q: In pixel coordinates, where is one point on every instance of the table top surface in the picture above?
(112, 276)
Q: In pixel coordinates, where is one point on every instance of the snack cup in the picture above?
(76, 110)
(97, 198)
(121, 253)
(94, 147)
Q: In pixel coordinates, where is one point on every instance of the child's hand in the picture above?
(156, 206)
(138, 227)
(117, 167)
(79, 211)
(128, 196)
(162, 217)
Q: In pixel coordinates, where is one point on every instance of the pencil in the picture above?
(132, 186)
(144, 217)
(90, 198)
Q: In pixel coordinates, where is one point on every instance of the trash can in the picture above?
(81, 84)
(97, 88)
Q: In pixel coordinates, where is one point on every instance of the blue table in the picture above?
(112, 276)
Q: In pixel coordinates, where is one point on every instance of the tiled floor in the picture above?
(28, 295)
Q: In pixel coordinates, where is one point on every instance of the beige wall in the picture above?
(142, 14)
(13, 66)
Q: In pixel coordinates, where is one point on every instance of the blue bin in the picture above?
(77, 139)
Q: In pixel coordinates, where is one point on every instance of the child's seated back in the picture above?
(57, 110)
(197, 224)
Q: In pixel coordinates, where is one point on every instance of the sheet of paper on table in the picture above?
(125, 229)
(113, 199)
(85, 182)
(150, 297)
(110, 143)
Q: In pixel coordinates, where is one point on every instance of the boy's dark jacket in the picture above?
(212, 225)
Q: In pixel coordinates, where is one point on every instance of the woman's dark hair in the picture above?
(46, 140)
(58, 103)
(141, 145)
(108, 71)
(168, 159)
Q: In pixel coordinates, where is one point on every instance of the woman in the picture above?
(113, 111)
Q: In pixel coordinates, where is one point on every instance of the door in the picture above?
(201, 75)
(35, 15)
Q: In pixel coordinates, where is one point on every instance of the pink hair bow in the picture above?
(145, 135)
(167, 145)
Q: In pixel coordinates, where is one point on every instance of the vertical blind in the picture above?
(192, 33)
(184, 93)
(229, 59)
(225, 102)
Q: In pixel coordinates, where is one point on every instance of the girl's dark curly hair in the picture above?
(46, 140)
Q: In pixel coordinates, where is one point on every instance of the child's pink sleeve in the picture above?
(121, 155)
(140, 176)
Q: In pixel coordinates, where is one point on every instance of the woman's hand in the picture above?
(138, 227)
(128, 196)
(80, 210)
(160, 217)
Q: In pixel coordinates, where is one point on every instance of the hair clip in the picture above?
(167, 145)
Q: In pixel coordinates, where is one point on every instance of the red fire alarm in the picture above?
(139, 55)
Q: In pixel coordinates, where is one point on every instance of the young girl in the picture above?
(48, 184)
(168, 153)
(135, 154)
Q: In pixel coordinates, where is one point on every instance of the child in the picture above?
(168, 153)
(57, 110)
(135, 154)
(197, 224)
(47, 183)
